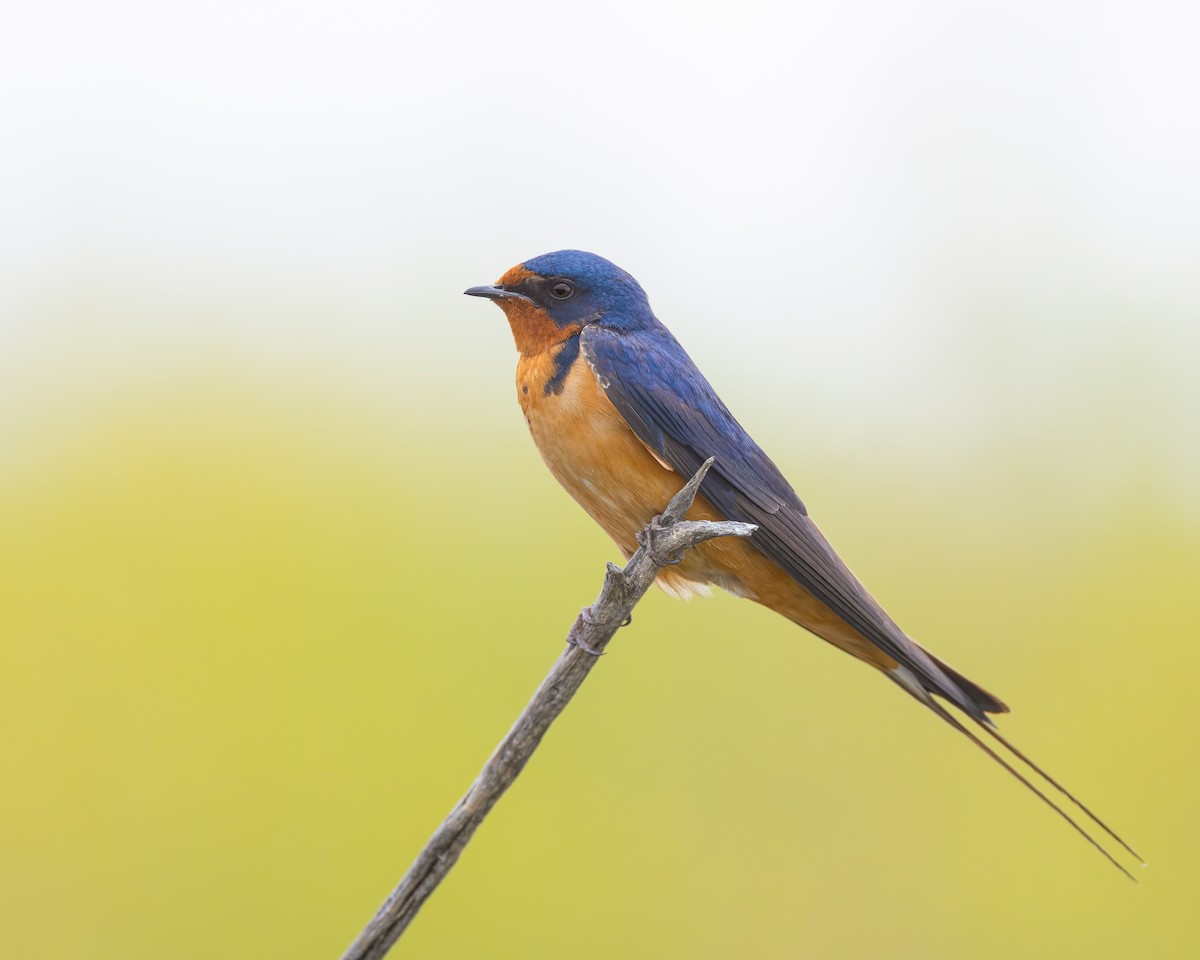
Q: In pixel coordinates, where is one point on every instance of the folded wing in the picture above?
(673, 410)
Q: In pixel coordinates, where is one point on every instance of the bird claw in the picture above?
(585, 647)
(574, 637)
(645, 538)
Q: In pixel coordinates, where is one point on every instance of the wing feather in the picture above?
(674, 411)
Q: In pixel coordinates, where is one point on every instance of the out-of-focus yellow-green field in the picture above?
(255, 642)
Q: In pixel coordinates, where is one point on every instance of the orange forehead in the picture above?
(516, 275)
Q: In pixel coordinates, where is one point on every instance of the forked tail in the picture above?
(926, 699)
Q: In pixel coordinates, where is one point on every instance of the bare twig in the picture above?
(663, 541)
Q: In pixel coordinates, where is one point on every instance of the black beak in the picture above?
(495, 292)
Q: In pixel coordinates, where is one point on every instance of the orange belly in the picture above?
(600, 462)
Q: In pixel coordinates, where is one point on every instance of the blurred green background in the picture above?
(279, 564)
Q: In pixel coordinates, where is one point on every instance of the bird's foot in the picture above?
(575, 634)
(645, 537)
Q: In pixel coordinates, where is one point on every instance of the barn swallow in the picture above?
(622, 417)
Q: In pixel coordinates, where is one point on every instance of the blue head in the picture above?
(569, 288)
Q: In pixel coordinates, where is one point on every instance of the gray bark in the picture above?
(663, 541)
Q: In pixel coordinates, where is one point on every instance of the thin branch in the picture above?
(664, 540)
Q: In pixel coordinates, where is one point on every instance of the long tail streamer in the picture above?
(953, 721)
(1065, 792)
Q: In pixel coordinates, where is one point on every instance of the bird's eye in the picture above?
(561, 290)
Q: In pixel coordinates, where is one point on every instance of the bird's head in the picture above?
(552, 297)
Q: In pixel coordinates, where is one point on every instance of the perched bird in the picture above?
(622, 417)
